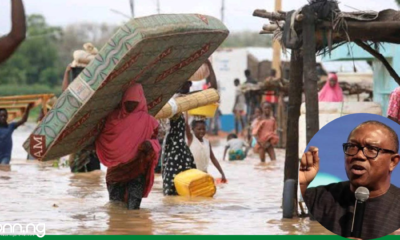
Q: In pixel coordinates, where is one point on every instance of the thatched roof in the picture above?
(334, 28)
(384, 27)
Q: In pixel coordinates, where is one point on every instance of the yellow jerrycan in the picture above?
(195, 183)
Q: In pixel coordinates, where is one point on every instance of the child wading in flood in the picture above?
(254, 121)
(264, 130)
(239, 107)
(6, 131)
(237, 148)
(201, 147)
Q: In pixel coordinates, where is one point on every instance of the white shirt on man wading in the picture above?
(201, 153)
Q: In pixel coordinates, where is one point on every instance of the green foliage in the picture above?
(36, 60)
(13, 89)
(39, 63)
(34, 114)
(398, 2)
(75, 35)
(50, 76)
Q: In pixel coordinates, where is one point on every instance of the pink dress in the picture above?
(265, 131)
(331, 94)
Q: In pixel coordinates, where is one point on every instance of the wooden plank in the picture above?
(25, 97)
(276, 60)
(7, 102)
(284, 124)
(310, 73)
(295, 98)
(21, 105)
(13, 106)
(13, 114)
(292, 140)
(16, 105)
(280, 119)
(13, 111)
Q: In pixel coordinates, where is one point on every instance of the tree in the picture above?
(36, 55)
(75, 35)
(398, 2)
(38, 65)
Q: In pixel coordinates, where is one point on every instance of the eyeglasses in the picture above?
(351, 149)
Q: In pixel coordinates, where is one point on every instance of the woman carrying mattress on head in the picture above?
(129, 147)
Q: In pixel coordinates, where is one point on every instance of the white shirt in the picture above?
(235, 144)
(201, 153)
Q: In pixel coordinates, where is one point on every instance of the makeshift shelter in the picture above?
(319, 28)
(383, 83)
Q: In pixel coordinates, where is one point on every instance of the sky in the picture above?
(238, 13)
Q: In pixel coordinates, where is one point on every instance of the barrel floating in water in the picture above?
(195, 183)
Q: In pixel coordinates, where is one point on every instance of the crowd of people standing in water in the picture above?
(131, 144)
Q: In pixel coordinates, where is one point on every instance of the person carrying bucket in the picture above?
(177, 155)
(201, 147)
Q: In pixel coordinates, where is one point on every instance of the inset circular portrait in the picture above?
(349, 176)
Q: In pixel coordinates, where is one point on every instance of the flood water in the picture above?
(67, 203)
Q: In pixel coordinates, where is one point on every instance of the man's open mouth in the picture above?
(358, 169)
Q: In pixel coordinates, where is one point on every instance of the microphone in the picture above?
(362, 195)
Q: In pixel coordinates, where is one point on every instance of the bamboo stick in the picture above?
(188, 102)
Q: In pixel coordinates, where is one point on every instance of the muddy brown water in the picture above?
(33, 192)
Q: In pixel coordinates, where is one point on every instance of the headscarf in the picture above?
(124, 132)
(331, 94)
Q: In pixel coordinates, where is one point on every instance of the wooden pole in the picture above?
(292, 139)
(276, 60)
(284, 121)
(280, 118)
(381, 58)
(273, 16)
(310, 73)
(132, 5)
(222, 10)
(276, 64)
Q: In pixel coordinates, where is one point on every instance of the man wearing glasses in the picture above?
(371, 155)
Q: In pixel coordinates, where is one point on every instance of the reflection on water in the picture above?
(68, 203)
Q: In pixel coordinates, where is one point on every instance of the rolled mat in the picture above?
(186, 103)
